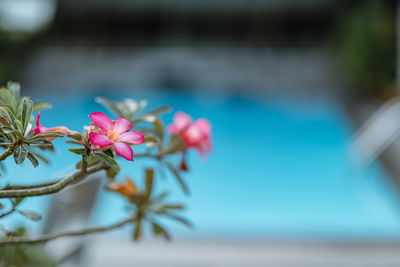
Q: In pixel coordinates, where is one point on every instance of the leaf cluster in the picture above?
(16, 135)
(149, 207)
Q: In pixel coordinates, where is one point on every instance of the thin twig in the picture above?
(146, 155)
(7, 213)
(52, 188)
(49, 237)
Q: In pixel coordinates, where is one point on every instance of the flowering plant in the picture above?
(98, 146)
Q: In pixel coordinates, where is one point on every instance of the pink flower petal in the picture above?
(132, 137)
(99, 139)
(204, 125)
(41, 129)
(124, 150)
(193, 135)
(102, 121)
(122, 125)
(180, 122)
(38, 120)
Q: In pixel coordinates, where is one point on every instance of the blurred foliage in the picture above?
(364, 45)
(24, 255)
(148, 207)
(15, 131)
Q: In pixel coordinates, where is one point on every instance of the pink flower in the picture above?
(114, 133)
(181, 123)
(195, 134)
(41, 129)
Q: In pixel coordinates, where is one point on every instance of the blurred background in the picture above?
(286, 85)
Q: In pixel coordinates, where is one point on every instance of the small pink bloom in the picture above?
(114, 133)
(41, 129)
(195, 134)
(180, 123)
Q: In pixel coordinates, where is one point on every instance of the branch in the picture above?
(10, 187)
(8, 152)
(49, 237)
(52, 188)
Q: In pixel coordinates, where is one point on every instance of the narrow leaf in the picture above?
(158, 230)
(37, 106)
(173, 207)
(180, 219)
(159, 110)
(15, 89)
(46, 135)
(175, 145)
(31, 215)
(110, 173)
(26, 113)
(5, 121)
(137, 233)
(149, 182)
(109, 105)
(20, 154)
(40, 157)
(178, 177)
(33, 160)
(7, 99)
(78, 151)
(108, 160)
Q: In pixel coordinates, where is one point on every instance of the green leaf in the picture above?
(147, 118)
(149, 182)
(41, 157)
(108, 104)
(26, 113)
(158, 230)
(159, 127)
(42, 144)
(173, 207)
(31, 215)
(175, 145)
(159, 110)
(110, 173)
(178, 177)
(46, 135)
(5, 121)
(33, 160)
(73, 142)
(7, 99)
(108, 160)
(20, 127)
(9, 114)
(78, 151)
(150, 139)
(9, 130)
(20, 154)
(161, 197)
(76, 136)
(15, 89)
(137, 233)
(37, 106)
(180, 219)
(91, 161)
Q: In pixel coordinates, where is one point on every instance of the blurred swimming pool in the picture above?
(280, 168)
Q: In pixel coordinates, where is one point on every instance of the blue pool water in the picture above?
(280, 168)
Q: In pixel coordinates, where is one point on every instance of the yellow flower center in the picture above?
(113, 136)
